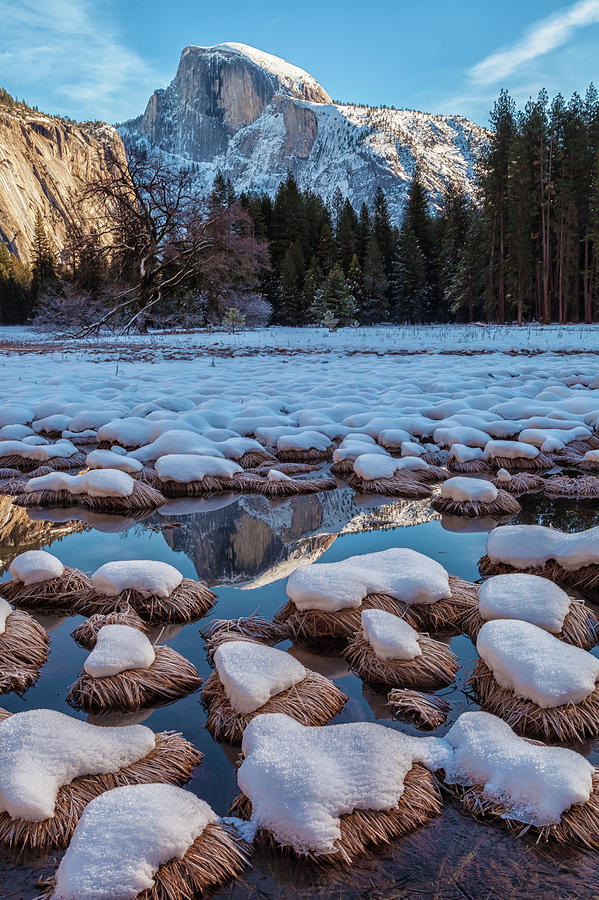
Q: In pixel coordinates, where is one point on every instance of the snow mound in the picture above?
(528, 546)
(149, 577)
(42, 750)
(38, 452)
(110, 459)
(536, 665)
(124, 836)
(401, 573)
(275, 475)
(462, 453)
(184, 468)
(536, 784)
(510, 450)
(473, 490)
(301, 779)
(528, 597)
(34, 566)
(119, 648)
(253, 673)
(304, 440)
(389, 636)
(95, 483)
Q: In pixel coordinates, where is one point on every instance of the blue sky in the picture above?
(103, 58)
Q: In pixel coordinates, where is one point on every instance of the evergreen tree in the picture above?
(363, 234)
(44, 258)
(355, 283)
(374, 307)
(327, 250)
(383, 231)
(15, 278)
(411, 290)
(346, 235)
(312, 283)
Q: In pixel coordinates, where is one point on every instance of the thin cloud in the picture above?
(551, 32)
(68, 50)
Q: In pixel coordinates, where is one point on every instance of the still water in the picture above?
(244, 547)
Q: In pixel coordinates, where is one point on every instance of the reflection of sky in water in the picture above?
(452, 858)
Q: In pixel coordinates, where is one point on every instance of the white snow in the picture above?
(503, 475)
(253, 673)
(371, 466)
(304, 440)
(108, 459)
(149, 577)
(535, 784)
(301, 779)
(34, 566)
(40, 453)
(42, 750)
(527, 597)
(275, 475)
(460, 434)
(404, 574)
(119, 648)
(528, 546)
(510, 450)
(5, 611)
(95, 483)
(389, 636)
(474, 490)
(187, 468)
(536, 665)
(124, 836)
(462, 453)
(176, 441)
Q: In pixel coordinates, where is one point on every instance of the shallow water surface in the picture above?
(244, 547)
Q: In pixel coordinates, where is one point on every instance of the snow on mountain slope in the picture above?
(254, 117)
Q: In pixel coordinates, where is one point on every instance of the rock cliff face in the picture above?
(44, 163)
(255, 117)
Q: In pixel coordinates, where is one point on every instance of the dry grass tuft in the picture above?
(187, 603)
(143, 496)
(521, 483)
(400, 485)
(468, 467)
(172, 761)
(255, 484)
(253, 458)
(342, 468)
(252, 628)
(503, 505)
(580, 628)
(289, 468)
(63, 593)
(23, 651)
(425, 711)
(540, 463)
(366, 828)
(170, 677)
(585, 579)
(87, 633)
(567, 723)
(578, 826)
(586, 487)
(435, 668)
(209, 484)
(57, 464)
(314, 701)
(306, 456)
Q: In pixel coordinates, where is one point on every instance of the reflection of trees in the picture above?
(562, 512)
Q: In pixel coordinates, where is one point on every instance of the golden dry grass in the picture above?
(580, 628)
(252, 628)
(306, 456)
(585, 487)
(468, 467)
(425, 711)
(435, 668)
(521, 483)
(23, 651)
(63, 593)
(275, 490)
(566, 723)
(314, 701)
(209, 484)
(503, 505)
(585, 579)
(540, 463)
(142, 497)
(170, 677)
(188, 602)
(86, 634)
(366, 828)
(401, 484)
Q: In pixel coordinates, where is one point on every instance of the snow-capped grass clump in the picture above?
(187, 468)
(119, 648)
(110, 459)
(95, 483)
(124, 836)
(474, 490)
(462, 453)
(37, 453)
(300, 779)
(275, 475)
(510, 450)
(389, 636)
(252, 673)
(42, 750)
(535, 665)
(521, 596)
(176, 441)
(401, 573)
(535, 784)
(148, 577)
(35, 566)
(304, 440)
(372, 466)
(528, 546)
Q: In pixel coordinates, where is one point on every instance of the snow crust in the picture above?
(462, 453)
(510, 450)
(528, 546)
(118, 649)
(253, 673)
(304, 440)
(301, 779)
(527, 597)
(42, 750)
(404, 574)
(535, 783)
(147, 576)
(39, 453)
(536, 665)
(35, 566)
(95, 483)
(389, 636)
(475, 490)
(185, 468)
(109, 459)
(124, 836)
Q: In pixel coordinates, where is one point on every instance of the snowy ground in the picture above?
(380, 340)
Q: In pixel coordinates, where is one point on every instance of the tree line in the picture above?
(524, 246)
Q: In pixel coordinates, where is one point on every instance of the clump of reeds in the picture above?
(468, 466)
(143, 496)
(170, 762)
(290, 468)
(170, 677)
(436, 667)
(584, 579)
(401, 484)
(567, 723)
(539, 463)
(365, 828)
(426, 711)
(86, 634)
(503, 505)
(55, 464)
(209, 484)
(23, 651)
(580, 627)
(253, 628)
(306, 456)
(275, 490)
(63, 593)
(584, 488)
(520, 483)
(188, 602)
